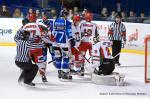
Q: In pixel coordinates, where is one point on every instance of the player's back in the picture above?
(88, 29)
(61, 30)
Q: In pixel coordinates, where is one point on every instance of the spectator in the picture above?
(70, 14)
(4, 12)
(29, 11)
(38, 14)
(17, 13)
(104, 13)
(75, 10)
(64, 11)
(43, 14)
(53, 14)
(131, 17)
(123, 15)
(112, 16)
(83, 13)
(141, 18)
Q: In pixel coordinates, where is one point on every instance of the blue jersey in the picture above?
(62, 30)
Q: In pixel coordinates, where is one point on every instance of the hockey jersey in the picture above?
(35, 28)
(99, 51)
(88, 31)
(76, 34)
(62, 30)
(47, 38)
(36, 32)
(48, 23)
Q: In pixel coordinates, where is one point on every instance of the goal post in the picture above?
(147, 59)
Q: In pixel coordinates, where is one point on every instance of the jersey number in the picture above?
(87, 32)
(60, 33)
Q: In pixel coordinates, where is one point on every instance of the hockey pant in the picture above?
(38, 57)
(83, 48)
(61, 58)
(76, 59)
(29, 71)
(107, 66)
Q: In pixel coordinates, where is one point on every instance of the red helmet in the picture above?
(32, 17)
(88, 17)
(76, 18)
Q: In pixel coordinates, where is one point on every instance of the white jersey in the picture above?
(34, 28)
(76, 34)
(99, 51)
(36, 32)
(88, 31)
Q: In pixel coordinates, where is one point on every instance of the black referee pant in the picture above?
(116, 48)
(29, 71)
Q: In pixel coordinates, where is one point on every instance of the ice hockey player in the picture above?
(48, 38)
(63, 36)
(76, 63)
(36, 44)
(89, 32)
(102, 60)
(103, 64)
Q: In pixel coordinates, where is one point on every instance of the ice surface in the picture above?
(79, 88)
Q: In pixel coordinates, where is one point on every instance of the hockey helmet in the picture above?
(76, 18)
(88, 17)
(32, 17)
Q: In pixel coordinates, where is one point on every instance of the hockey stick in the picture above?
(116, 55)
(83, 55)
(51, 61)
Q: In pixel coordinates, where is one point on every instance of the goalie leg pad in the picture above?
(114, 79)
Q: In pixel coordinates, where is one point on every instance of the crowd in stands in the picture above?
(104, 15)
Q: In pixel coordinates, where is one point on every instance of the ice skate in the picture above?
(44, 79)
(65, 76)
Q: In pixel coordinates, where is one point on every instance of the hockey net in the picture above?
(147, 59)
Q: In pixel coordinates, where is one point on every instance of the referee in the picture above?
(117, 34)
(22, 59)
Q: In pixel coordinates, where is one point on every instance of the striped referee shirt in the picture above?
(35, 42)
(22, 49)
(117, 32)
